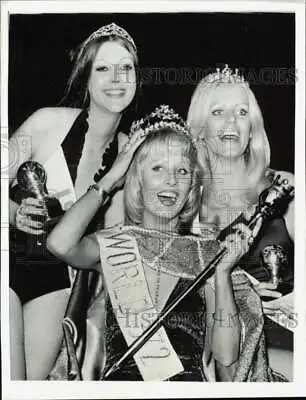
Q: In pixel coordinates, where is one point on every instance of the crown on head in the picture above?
(226, 76)
(162, 117)
(109, 30)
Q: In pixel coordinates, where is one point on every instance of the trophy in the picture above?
(275, 262)
(31, 179)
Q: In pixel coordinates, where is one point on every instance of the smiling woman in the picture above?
(114, 95)
(227, 124)
(146, 263)
(163, 173)
(228, 121)
(76, 144)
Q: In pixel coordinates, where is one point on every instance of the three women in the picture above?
(104, 81)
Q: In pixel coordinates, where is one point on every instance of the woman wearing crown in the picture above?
(77, 144)
(227, 124)
(147, 262)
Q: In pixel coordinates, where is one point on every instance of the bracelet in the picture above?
(103, 194)
(230, 316)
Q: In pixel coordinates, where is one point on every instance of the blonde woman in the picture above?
(233, 149)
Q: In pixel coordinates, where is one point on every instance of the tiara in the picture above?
(162, 117)
(109, 30)
(226, 76)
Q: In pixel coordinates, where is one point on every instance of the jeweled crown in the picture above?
(109, 30)
(226, 75)
(162, 117)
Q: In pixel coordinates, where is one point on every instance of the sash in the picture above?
(132, 304)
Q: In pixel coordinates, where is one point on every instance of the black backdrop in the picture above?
(181, 45)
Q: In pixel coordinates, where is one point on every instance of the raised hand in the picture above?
(237, 244)
(123, 160)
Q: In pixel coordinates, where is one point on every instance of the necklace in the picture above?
(157, 287)
(154, 264)
(181, 259)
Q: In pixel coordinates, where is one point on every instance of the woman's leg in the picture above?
(281, 361)
(43, 332)
(17, 356)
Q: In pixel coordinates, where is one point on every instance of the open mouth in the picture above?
(167, 198)
(116, 93)
(228, 135)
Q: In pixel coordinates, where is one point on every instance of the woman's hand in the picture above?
(267, 289)
(30, 216)
(119, 169)
(237, 244)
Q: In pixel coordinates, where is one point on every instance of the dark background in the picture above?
(262, 44)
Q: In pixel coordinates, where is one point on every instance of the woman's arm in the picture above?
(224, 372)
(22, 145)
(115, 214)
(32, 140)
(226, 328)
(35, 137)
(66, 240)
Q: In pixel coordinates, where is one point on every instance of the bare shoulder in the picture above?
(46, 127)
(57, 121)
(48, 119)
(62, 115)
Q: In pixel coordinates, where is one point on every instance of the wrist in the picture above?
(99, 191)
(222, 274)
(222, 279)
(107, 183)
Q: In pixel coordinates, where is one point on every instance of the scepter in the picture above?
(270, 201)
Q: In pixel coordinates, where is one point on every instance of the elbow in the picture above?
(56, 246)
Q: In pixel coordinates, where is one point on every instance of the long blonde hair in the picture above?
(257, 155)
